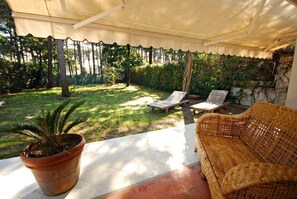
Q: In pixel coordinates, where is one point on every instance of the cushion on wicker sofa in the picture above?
(226, 153)
(252, 155)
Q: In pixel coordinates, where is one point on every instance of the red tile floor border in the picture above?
(185, 183)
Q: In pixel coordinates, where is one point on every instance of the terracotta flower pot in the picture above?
(58, 173)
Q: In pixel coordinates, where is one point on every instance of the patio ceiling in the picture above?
(253, 28)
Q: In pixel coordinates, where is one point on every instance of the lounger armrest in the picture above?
(221, 125)
(257, 178)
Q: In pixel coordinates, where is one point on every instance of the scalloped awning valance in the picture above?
(251, 28)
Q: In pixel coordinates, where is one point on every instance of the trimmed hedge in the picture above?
(209, 72)
(166, 77)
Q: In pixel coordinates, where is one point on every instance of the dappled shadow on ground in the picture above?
(117, 163)
(187, 114)
(132, 159)
(118, 113)
(229, 109)
(114, 111)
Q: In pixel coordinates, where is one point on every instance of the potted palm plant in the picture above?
(54, 158)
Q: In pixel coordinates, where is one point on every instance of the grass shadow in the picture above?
(114, 111)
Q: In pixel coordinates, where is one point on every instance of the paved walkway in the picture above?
(111, 165)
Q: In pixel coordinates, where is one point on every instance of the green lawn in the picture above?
(114, 111)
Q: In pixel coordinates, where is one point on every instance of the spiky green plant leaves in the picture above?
(50, 127)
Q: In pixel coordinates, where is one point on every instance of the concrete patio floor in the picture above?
(111, 165)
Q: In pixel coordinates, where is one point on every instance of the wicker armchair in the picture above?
(251, 155)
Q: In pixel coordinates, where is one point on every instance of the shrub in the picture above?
(111, 74)
(166, 77)
(12, 76)
(209, 72)
(15, 77)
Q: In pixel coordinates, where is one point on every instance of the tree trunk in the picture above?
(128, 78)
(70, 68)
(88, 54)
(188, 72)
(83, 55)
(50, 63)
(22, 52)
(89, 62)
(17, 51)
(79, 58)
(40, 71)
(75, 57)
(11, 44)
(151, 55)
(98, 58)
(62, 69)
(101, 45)
(94, 64)
(68, 58)
(16, 44)
(128, 70)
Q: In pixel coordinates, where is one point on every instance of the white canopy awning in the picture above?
(252, 28)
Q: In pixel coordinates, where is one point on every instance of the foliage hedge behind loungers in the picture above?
(167, 77)
(209, 72)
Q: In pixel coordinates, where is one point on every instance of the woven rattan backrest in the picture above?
(217, 97)
(271, 133)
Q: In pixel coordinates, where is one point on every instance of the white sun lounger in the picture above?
(214, 101)
(2, 103)
(175, 99)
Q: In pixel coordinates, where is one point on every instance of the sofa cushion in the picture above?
(225, 153)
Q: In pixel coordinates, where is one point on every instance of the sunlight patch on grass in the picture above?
(139, 102)
(94, 110)
(132, 88)
(113, 111)
(29, 117)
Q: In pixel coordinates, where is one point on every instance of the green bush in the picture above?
(12, 77)
(209, 72)
(166, 77)
(15, 77)
(111, 74)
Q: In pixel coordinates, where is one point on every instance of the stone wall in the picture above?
(275, 93)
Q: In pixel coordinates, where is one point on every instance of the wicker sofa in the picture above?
(251, 155)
